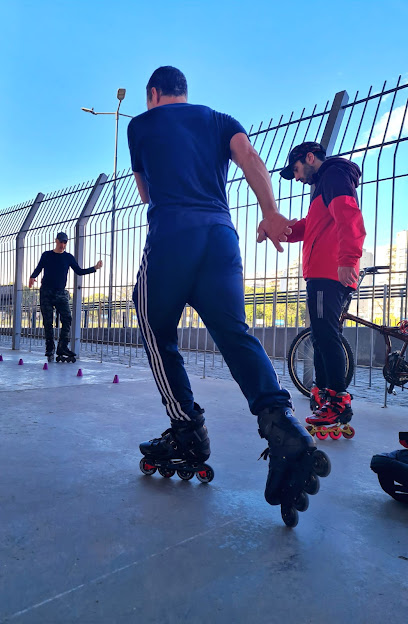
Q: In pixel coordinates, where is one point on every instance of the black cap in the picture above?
(297, 153)
(62, 237)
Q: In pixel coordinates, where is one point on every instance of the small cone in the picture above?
(79, 373)
(115, 379)
(20, 362)
(1, 358)
(45, 367)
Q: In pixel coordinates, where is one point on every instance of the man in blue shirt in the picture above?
(180, 155)
(56, 264)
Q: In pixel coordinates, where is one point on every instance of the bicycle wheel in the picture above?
(300, 361)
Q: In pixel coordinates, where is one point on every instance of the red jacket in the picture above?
(333, 230)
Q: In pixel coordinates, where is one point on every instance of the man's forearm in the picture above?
(257, 176)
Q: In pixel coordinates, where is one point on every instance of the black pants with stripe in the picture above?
(325, 298)
(201, 267)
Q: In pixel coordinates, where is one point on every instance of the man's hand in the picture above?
(277, 228)
(98, 265)
(31, 282)
(347, 275)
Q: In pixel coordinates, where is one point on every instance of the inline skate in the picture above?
(50, 350)
(392, 470)
(333, 418)
(64, 354)
(295, 464)
(183, 448)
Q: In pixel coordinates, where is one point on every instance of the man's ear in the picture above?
(310, 158)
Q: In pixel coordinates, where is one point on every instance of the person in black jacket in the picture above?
(56, 264)
(333, 235)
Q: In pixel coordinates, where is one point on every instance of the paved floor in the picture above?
(86, 538)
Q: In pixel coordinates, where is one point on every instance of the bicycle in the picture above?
(395, 370)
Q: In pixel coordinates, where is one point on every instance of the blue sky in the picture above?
(254, 60)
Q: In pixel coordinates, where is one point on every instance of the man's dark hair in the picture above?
(319, 154)
(168, 81)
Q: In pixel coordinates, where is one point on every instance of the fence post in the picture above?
(18, 280)
(333, 122)
(79, 256)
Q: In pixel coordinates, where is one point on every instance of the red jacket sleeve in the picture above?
(298, 231)
(350, 229)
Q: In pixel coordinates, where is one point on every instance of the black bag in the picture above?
(392, 470)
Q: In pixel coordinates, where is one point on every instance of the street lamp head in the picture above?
(89, 110)
(121, 94)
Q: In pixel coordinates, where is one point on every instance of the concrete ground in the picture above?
(86, 538)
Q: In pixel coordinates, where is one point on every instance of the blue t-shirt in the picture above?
(183, 150)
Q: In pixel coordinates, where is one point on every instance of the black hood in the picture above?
(350, 168)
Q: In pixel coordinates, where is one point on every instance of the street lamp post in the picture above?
(121, 96)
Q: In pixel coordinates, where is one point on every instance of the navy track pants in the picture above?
(201, 267)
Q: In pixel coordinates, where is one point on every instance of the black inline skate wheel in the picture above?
(146, 467)
(206, 475)
(73, 360)
(167, 473)
(289, 515)
(301, 502)
(186, 475)
(313, 485)
(58, 358)
(321, 464)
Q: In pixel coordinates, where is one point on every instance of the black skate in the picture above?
(392, 470)
(64, 354)
(294, 463)
(183, 449)
(50, 351)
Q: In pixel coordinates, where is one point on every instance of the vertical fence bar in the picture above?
(334, 121)
(18, 282)
(79, 255)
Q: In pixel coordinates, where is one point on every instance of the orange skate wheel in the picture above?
(322, 434)
(335, 434)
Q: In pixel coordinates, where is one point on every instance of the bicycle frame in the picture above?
(385, 330)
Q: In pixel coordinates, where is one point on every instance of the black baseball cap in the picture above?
(62, 237)
(297, 153)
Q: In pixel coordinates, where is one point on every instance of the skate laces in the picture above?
(164, 435)
(319, 395)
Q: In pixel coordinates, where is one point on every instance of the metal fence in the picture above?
(106, 220)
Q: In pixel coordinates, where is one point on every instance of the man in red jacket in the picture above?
(333, 234)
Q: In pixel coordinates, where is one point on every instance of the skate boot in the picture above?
(392, 470)
(294, 463)
(328, 419)
(183, 448)
(49, 350)
(64, 354)
(318, 397)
